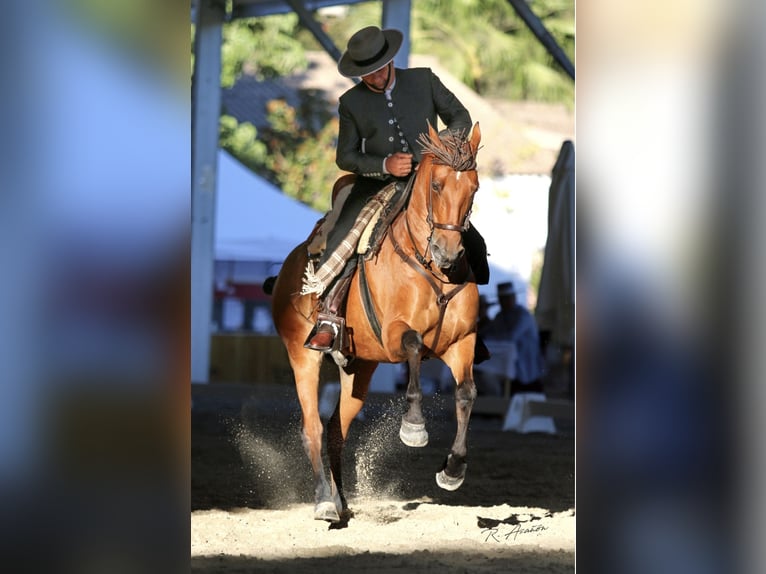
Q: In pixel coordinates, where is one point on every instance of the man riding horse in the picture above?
(380, 119)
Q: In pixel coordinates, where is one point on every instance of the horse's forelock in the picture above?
(451, 149)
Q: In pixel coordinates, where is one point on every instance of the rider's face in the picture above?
(379, 80)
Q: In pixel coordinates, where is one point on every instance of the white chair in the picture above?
(524, 416)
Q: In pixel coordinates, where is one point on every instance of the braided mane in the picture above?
(451, 149)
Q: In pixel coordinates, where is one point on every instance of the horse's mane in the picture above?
(451, 149)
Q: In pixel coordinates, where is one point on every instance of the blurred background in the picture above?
(96, 226)
(275, 111)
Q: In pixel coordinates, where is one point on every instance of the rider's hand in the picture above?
(399, 164)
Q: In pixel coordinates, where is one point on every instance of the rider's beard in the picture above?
(380, 88)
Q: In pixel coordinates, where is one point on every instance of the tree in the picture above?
(296, 152)
(488, 47)
(262, 47)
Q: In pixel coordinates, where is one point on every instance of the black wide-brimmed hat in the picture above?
(504, 289)
(369, 50)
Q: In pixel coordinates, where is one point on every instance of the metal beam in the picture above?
(542, 34)
(206, 109)
(257, 8)
(396, 14)
(313, 26)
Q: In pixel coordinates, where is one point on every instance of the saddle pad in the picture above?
(364, 241)
(317, 280)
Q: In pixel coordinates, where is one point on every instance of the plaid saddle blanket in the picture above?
(317, 280)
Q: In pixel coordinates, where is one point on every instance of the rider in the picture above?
(380, 120)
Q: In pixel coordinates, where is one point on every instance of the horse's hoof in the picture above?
(326, 511)
(414, 435)
(449, 482)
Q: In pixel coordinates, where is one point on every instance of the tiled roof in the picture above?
(247, 99)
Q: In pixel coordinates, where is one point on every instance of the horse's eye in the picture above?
(436, 186)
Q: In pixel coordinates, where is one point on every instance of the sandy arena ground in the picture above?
(252, 493)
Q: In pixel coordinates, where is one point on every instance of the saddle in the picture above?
(317, 239)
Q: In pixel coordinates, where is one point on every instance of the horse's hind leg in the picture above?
(354, 387)
(305, 364)
(413, 429)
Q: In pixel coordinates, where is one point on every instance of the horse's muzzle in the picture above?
(443, 258)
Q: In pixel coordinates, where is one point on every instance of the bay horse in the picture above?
(421, 313)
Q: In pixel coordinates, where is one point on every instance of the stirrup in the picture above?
(335, 336)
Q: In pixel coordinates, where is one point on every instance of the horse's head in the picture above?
(447, 181)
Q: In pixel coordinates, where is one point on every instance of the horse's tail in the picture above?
(268, 284)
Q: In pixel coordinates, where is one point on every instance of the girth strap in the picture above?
(369, 307)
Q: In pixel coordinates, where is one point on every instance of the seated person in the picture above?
(516, 324)
(380, 120)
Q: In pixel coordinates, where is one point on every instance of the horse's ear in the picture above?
(475, 138)
(433, 135)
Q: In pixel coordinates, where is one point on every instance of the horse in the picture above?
(421, 313)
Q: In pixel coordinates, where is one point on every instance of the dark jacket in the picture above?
(369, 124)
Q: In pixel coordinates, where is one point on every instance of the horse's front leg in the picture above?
(413, 429)
(460, 360)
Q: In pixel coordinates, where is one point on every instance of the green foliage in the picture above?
(297, 151)
(153, 33)
(301, 158)
(359, 16)
(263, 47)
(488, 46)
(241, 140)
(484, 43)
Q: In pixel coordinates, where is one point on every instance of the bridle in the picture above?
(433, 226)
(430, 217)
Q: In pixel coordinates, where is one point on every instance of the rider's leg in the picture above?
(330, 318)
(364, 188)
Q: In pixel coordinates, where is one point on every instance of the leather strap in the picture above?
(369, 307)
(442, 299)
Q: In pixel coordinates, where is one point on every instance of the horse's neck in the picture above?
(410, 228)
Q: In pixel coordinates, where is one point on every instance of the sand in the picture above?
(252, 501)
